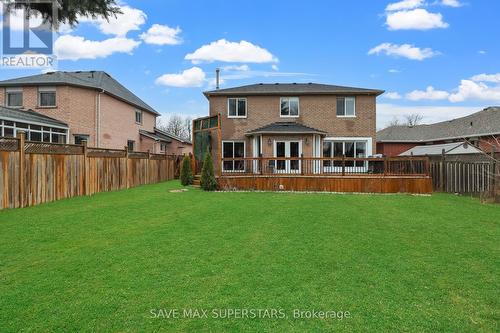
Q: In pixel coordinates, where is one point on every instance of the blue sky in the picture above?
(167, 51)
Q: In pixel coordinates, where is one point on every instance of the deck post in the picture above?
(21, 135)
(385, 165)
(260, 164)
(343, 164)
(302, 164)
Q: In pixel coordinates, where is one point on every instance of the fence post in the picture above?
(21, 136)
(85, 167)
(126, 168)
(493, 172)
(442, 166)
(147, 168)
(385, 165)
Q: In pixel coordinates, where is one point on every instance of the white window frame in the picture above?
(345, 104)
(13, 91)
(135, 115)
(237, 102)
(298, 107)
(46, 90)
(244, 155)
(44, 129)
(288, 168)
(368, 142)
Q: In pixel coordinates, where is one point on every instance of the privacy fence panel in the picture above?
(32, 172)
(464, 177)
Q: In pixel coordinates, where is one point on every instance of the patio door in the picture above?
(288, 149)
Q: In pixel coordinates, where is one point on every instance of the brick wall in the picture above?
(317, 111)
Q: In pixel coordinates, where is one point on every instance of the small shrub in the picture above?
(208, 181)
(186, 172)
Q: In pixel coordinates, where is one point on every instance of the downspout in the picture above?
(98, 118)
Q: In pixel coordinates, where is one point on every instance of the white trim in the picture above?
(298, 107)
(244, 155)
(237, 100)
(288, 168)
(345, 103)
(369, 145)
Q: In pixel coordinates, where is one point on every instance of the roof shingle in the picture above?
(88, 79)
(291, 88)
(482, 123)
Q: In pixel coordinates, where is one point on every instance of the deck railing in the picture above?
(320, 166)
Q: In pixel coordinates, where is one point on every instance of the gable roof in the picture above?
(285, 127)
(291, 88)
(88, 79)
(482, 123)
(171, 136)
(455, 148)
(29, 116)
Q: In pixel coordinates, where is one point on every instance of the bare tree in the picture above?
(394, 122)
(176, 125)
(413, 119)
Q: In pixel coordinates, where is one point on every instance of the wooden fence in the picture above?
(465, 177)
(32, 173)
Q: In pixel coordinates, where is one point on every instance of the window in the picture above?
(130, 145)
(233, 150)
(349, 148)
(47, 96)
(14, 97)
(289, 107)
(346, 107)
(34, 132)
(237, 107)
(138, 117)
(163, 146)
(80, 137)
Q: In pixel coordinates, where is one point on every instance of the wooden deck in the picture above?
(362, 175)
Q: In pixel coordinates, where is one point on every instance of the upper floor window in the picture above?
(346, 107)
(14, 97)
(237, 107)
(138, 116)
(289, 107)
(47, 96)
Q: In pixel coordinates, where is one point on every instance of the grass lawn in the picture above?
(112, 262)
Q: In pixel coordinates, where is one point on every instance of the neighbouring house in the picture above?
(454, 148)
(481, 129)
(292, 120)
(169, 144)
(91, 105)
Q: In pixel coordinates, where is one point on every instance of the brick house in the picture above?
(88, 105)
(482, 129)
(293, 120)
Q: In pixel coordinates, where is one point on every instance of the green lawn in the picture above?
(111, 262)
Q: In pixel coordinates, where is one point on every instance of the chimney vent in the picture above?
(217, 78)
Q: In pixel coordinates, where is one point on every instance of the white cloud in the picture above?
(242, 68)
(451, 3)
(486, 78)
(429, 94)
(162, 35)
(386, 112)
(481, 52)
(193, 77)
(68, 47)
(469, 89)
(392, 95)
(405, 4)
(226, 51)
(275, 67)
(416, 19)
(404, 50)
(130, 19)
(394, 71)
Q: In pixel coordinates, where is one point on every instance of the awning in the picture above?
(285, 128)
